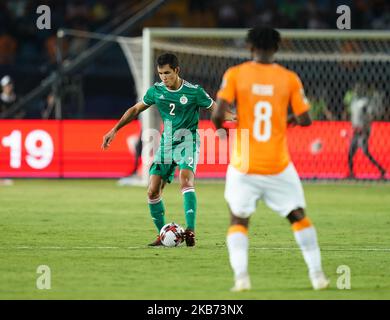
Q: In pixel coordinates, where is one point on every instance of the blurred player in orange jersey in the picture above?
(262, 91)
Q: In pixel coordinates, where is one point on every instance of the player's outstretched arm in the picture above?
(219, 112)
(128, 116)
(228, 116)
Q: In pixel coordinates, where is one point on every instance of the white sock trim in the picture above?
(154, 201)
(185, 190)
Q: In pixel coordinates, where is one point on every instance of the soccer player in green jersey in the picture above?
(179, 103)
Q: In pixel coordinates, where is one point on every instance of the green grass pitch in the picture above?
(93, 235)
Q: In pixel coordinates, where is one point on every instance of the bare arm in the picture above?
(220, 113)
(127, 117)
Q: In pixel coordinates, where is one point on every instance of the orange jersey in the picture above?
(262, 93)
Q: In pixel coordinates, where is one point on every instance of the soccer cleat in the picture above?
(241, 284)
(319, 281)
(156, 243)
(189, 237)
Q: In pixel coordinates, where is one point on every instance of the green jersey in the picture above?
(179, 109)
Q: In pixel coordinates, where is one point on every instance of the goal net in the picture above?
(334, 67)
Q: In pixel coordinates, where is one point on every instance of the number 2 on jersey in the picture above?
(262, 124)
(172, 106)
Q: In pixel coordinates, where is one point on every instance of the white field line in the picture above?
(217, 246)
(323, 249)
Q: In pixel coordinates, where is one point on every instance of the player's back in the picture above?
(263, 93)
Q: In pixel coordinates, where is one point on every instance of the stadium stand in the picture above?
(31, 55)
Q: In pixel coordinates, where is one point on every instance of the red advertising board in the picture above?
(72, 149)
(29, 148)
(82, 153)
(321, 150)
(68, 148)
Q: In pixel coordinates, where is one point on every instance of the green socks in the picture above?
(157, 210)
(189, 207)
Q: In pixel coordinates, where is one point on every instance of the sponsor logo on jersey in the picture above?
(161, 97)
(183, 99)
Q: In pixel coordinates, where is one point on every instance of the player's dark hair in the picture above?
(264, 38)
(168, 58)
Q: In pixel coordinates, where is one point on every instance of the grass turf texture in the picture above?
(93, 235)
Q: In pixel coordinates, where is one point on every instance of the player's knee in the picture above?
(186, 183)
(234, 220)
(296, 215)
(186, 180)
(153, 193)
(186, 186)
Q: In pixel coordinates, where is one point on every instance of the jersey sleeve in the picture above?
(148, 98)
(298, 100)
(227, 89)
(203, 99)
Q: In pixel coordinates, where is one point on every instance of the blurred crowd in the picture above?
(28, 55)
(20, 41)
(311, 14)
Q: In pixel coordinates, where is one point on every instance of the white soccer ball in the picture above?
(171, 235)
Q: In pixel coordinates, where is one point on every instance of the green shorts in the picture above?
(166, 161)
